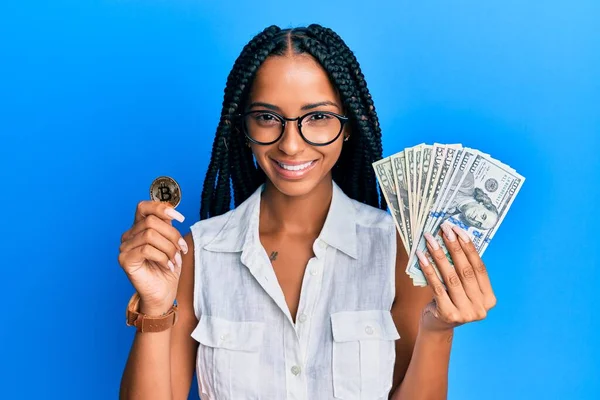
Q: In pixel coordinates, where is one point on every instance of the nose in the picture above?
(291, 143)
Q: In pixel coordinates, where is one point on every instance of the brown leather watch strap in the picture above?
(147, 323)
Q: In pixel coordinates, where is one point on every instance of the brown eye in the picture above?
(265, 119)
(319, 117)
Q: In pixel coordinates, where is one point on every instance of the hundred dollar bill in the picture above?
(424, 178)
(478, 205)
(464, 164)
(398, 163)
(410, 175)
(467, 161)
(385, 176)
(417, 188)
(454, 156)
(447, 161)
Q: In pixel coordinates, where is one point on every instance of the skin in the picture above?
(292, 213)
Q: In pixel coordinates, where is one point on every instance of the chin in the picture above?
(294, 189)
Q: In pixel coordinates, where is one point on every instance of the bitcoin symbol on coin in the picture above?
(165, 189)
(165, 193)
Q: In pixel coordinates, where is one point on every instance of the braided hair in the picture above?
(232, 164)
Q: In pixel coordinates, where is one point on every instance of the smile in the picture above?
(293, 170)
(297, 167)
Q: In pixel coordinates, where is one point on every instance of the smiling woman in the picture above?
(290, 73)
(330, 313)
(304, 152)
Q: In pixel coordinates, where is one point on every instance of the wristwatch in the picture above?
(147, 323)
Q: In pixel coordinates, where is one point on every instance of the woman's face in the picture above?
(293, 86)
(476, 215)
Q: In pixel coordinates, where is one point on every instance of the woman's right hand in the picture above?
(150, 255)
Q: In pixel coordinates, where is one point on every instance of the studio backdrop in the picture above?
(99, 97)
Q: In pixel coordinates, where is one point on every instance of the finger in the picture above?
(162, 227)
(153, 238)
(146, 252)
(450, 277)
(160, 209)
(461, 264)
(481, 274)
(440, 295)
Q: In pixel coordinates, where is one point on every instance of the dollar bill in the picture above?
(427, 185)
(398, 163)
(479, 202)
(424, 178)
(385, 176)
(410, 174)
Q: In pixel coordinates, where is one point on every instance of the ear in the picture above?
(347, 132)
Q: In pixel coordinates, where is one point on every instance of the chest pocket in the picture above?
(228, 360)
(363, 354)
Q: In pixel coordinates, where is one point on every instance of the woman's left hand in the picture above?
(469, 295)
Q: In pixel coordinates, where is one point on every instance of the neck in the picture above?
(295, 214)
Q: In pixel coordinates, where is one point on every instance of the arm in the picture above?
(465, 295)
(161, 364)
(421, 370)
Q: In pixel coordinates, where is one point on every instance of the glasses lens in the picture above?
(262, 126)
(321, 128)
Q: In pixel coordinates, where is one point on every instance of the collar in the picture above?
(241, 228)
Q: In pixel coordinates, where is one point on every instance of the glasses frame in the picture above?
(343, 120)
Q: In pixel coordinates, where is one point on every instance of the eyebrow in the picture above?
(304, 107)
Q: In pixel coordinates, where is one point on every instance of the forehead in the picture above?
(291, 81)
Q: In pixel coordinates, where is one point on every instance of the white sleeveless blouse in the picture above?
(342, 344)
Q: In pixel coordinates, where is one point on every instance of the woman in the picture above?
(300, 291)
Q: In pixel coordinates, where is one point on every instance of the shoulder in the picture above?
(371, 217)
(203, 231)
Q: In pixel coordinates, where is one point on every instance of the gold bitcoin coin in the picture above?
(164, 188)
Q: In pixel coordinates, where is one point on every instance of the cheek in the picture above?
(259, 155)
(334, 152)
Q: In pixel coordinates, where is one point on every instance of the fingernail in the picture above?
(462, 234)
(174, 214)
(183, 245)
(448, 232)
(422, 258)
(431, 240)
(178, 259)
(171, 266)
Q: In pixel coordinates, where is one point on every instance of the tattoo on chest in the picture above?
(273, 256)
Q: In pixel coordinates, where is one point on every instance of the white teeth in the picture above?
(295, 167)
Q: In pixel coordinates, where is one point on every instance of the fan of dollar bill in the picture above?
(426, 185)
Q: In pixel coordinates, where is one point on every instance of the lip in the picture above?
(293, 175)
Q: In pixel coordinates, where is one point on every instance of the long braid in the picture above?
(332, 39)
(232, 163)
(328, 58)
(216, 199)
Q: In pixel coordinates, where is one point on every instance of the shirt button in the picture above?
(322, 244)
(313, 271)
(224, 336)
(302, 318)
(369, 330)
(295, 370)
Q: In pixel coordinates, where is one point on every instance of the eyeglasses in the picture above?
(317, 128)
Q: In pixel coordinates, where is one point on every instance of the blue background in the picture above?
(97, 98)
